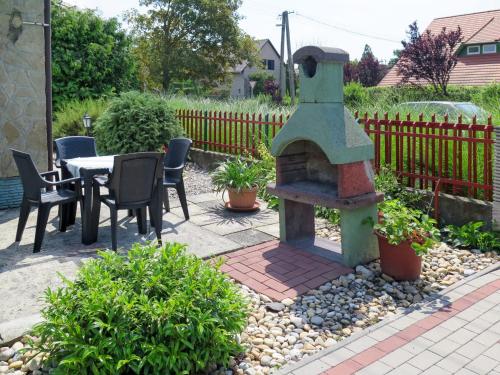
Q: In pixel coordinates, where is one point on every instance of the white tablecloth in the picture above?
(95, 162)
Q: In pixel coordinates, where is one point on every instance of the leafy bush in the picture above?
(155, 311)
(399, 223)
(387, 182)
(136, 122)
(239, 174)
(260, 77)
(355, 95)
(471, 235)
(69, 118)
(90, 55)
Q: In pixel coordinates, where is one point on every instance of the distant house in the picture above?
(478, 56)
(240, 85)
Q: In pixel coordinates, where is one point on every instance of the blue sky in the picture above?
(381, 23)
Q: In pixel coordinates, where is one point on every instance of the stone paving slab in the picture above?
(24, 276)
(431, 338)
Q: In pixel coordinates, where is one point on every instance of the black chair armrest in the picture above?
(67, 181)
(50, 174)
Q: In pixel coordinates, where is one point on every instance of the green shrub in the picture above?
(387, 182)
(355, 95)
(260, 77)
(136, 122)
(155, 311)
(471, 235)
(68, 120)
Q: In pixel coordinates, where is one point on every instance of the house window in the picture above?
(473, 50)
(268, 64)
(490, 48)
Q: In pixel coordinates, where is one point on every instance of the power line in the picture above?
(347, 30)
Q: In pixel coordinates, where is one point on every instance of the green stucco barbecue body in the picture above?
(321, 117)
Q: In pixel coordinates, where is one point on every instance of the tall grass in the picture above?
(261, 104)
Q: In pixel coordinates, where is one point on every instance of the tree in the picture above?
(351, 73)
(260, 77)
(369, 68)
(429, 57)
(190, 39)
(90, 55)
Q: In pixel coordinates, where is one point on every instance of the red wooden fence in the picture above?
(442, 156)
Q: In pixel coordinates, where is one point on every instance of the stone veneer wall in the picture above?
(22, 91)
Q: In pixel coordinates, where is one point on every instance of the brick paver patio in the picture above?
(456, 333)
(281, 271)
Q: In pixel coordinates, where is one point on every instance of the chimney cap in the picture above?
(320, 54)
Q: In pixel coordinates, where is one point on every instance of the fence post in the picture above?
(205, 131)
(496, 182)
(266, 130)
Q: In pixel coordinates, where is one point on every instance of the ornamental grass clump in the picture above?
(154, 311)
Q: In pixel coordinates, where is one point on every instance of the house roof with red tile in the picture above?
(477, 28)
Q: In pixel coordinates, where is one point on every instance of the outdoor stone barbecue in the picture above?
(323, 157)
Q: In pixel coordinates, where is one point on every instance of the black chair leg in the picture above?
(182, 197)
(71, 214)
(141, 220)
(166, 203)
(157, 212)
(114, 224)
(23, 218)
(41, 224)
(63, 220)
(152, 217)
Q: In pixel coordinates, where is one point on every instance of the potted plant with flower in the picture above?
(404, 235)
(241, 178)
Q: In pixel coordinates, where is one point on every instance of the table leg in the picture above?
(89, 224)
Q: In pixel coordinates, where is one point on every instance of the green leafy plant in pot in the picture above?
(404, 234)
(242, 179)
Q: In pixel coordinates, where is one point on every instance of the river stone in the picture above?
(275, 306)
(6, 354)
(317, 320)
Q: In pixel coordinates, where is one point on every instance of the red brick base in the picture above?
(280, 271)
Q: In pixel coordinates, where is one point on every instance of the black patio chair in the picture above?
(69, 148)
(74, 147)
(35, 193)
(134, 184)
(175, 161)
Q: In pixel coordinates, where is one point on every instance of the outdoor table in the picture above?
(86, 169)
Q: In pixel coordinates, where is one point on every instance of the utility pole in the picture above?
(282, 56)
(285, 38)
(291, 73)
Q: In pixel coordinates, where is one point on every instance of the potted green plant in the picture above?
(241, 178)
(404, 235)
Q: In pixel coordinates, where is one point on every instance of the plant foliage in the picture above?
(136, 122)
(238, 173)
(387, 182)
(472, 236)
(155, 311)
(189, 39)
(69, 117)
(399, 223)
(90, 55)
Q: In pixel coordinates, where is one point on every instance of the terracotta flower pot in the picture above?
(399, 261)
(242, 199)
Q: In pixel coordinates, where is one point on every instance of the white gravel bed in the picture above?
(196, 181)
